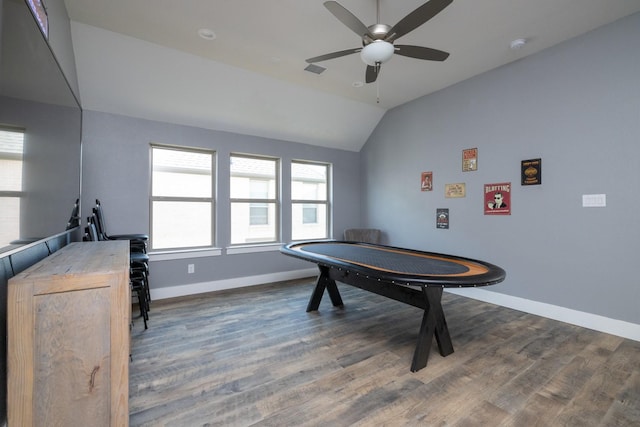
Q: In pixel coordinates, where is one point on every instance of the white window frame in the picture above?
(210, 199)
(275, 201)
(326, 202)
(13, 194)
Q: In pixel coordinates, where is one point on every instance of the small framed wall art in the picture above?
(497, 199)
(426, 181)
(469, 159)
(454, 191)
(531, 172)
(442, 218)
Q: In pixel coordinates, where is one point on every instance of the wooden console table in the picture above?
(68, 320)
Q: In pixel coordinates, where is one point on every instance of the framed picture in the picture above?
(497, 199)
(531, 172)
(452, 191)
(426, 181)
(469, 159)
(442, 218)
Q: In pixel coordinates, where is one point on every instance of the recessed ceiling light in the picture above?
(206, 34)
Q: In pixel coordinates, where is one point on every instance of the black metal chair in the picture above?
(137, 239)
(138, 270)
(74, 219)
(137, 242)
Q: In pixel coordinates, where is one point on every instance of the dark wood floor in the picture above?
(255, 357)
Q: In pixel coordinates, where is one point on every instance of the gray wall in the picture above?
(60, 41)
(577, 106)
(116, 171)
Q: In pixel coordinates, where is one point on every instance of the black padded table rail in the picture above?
(404, 266)
(410, 276)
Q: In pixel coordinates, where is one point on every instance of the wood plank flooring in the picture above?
(253, 356)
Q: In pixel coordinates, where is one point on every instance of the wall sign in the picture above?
(442, 218)
(452, 191)
(469, 159)
(497, 199)
(426, 181)
(531, 172)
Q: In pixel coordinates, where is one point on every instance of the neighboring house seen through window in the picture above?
(182, 203)
(310, 208)
(255, 207)
(11, 165)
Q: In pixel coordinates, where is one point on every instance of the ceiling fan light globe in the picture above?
(377, 52)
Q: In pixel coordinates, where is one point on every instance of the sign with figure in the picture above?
(497, 199)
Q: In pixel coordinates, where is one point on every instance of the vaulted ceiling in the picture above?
(145, 58)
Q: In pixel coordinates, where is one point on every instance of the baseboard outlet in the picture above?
(238, 282)
(579, 318)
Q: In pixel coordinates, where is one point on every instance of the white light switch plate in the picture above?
(594, 200)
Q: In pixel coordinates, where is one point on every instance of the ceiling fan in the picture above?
(377, 39)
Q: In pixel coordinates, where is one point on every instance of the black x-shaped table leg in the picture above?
(427, 298)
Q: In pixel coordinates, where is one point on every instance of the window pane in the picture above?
(308, 182)
(309, 214)
(10, 175)
(9, 220)
(245, 170)
(259, 214)
(302, 212)
(11, 149)
(181, 224)
(242, 229)
(181, 173)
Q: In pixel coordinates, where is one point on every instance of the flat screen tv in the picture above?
(40, 134)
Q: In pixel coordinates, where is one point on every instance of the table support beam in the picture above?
(324, 281)
(427, 298)
(433, 323)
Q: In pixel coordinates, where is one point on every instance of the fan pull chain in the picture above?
(377, 83)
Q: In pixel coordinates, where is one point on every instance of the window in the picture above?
(182, 204)
(254, 199)
(11, 163)
(309, 200)
(259, 212)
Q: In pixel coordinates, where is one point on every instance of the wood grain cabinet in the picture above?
(68, 320)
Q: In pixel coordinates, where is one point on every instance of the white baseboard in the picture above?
(586, 320)
(580, 318)
(239, 282)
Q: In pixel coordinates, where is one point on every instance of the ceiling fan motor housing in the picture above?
(378, 31)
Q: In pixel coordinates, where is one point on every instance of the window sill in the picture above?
(184, 254)
(247, 249)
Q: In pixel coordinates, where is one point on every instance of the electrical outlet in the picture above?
(191, 269)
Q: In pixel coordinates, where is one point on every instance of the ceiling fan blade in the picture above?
(333, 55)
(420, 52)
(372, 72)
(416, 18)
(347, 18)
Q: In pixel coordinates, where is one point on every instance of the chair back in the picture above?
(92, 233)
(99, 220)
(364, 235)
(74, 219)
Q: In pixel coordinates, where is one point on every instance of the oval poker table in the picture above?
(410, 276)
